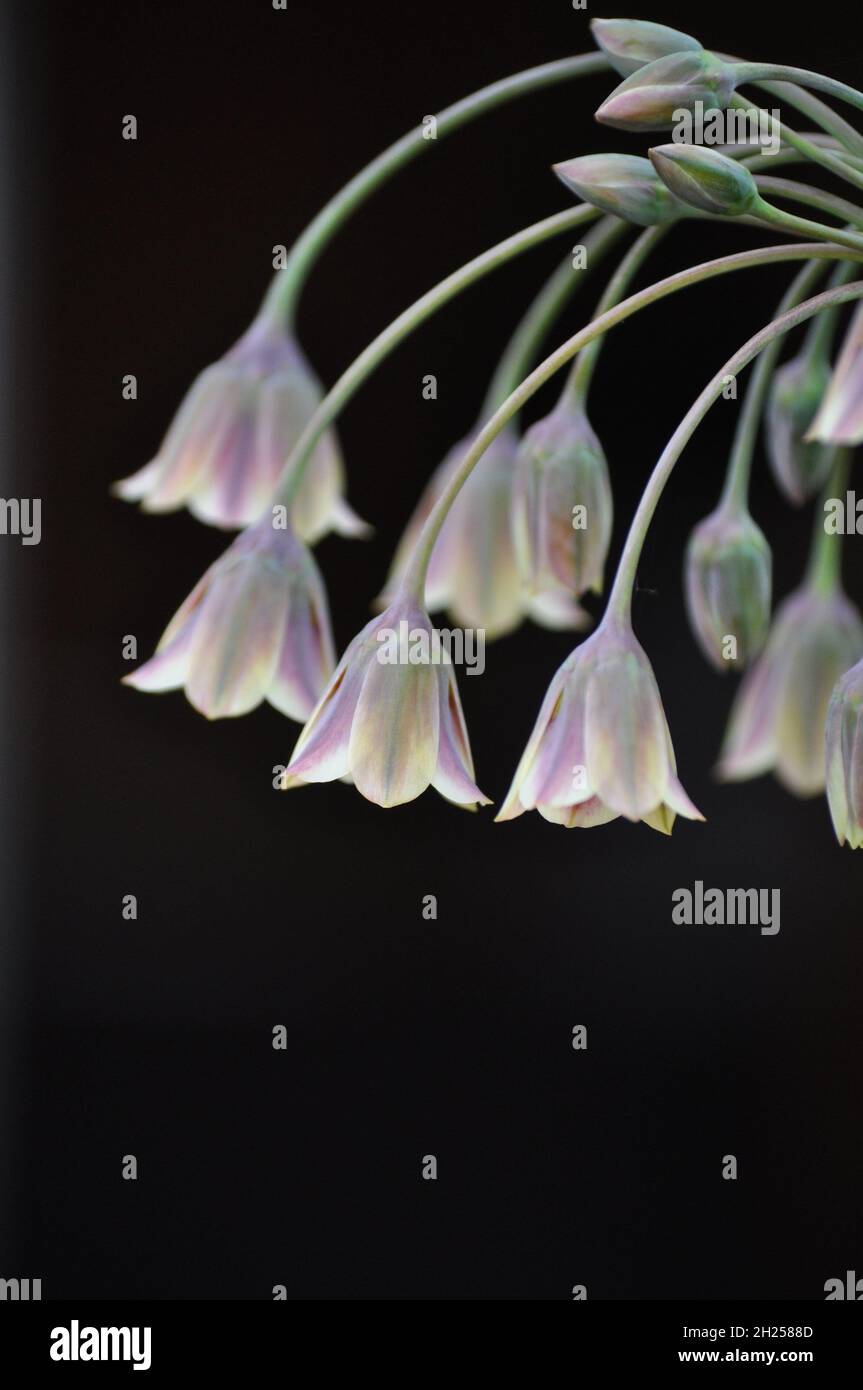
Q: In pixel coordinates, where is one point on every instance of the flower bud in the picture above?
(631, 43)
(561, 507)
(650, 98)
(800, 466)
(623, 184)
(728, 587)
(705, 179)
(844, 748)
(840, 418)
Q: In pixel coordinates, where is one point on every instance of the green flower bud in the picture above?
(631, 43)
(728, 587)
(651, 97)
(622, 184)
(705, 179)
(800, 467)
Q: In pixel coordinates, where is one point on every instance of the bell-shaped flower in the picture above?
(601, 747)
(630, 43)
(652, 96)
(778, 717)
(561, 511)
(728, 584)
(799, 464)
(844, 746)
(840, 418)
(473, 571)
(390, 718)
(256, 627)
(624, 185)
(227, 445)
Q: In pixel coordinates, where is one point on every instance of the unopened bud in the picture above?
(631, 43)
(705, 179)
(728, 587)
(799, 466)
(623, 184)
(653, 96)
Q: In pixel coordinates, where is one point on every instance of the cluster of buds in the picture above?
(523, 530)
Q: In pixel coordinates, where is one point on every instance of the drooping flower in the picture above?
(561, 513)
(652, 96)
(256, 627)
(728, 582)
(631, 43)
(473, 571)
(799, 463)
(395, 726)
(226, 447)
(601, 747)
(844, 748)
(622, 184)
(840, 418)
(778, 717)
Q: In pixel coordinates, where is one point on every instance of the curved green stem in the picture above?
(521, 349)
(801, 77)
(414, 579)
(620, 598)
(811, 197)
(817, 111)
(371, 356)
(584, 366)
(802, 226)
(284, 292)
(817, 153)
(825, 554)
(735, 492)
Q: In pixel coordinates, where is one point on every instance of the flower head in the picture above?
(778, 717)
(799, 463)
(226, 446)
(623, 184)
(256, 627)
(393, 725)
(652, 95)
(844, 745)
(601, 747)
(728, 587)
(561, 511)
(840, 419)
(630, 43)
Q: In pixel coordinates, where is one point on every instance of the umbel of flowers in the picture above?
(518, 525)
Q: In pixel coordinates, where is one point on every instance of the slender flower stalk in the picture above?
(418, 567)
(287, 285)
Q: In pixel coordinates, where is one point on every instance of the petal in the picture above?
(513, 805)
(194, 436)
(584, 816)
(626, 733)
(307, 659)
(169, 668)
(238, 638)
(395, 732)
(322, 751)
(677, 801)
(454, 775)
(558, 776)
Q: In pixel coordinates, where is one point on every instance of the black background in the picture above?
(405, 1037)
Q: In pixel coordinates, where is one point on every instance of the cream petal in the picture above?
(558, 775)
(169, 668)
(677, 801)
(584, 816)
(661, 818)
(626, 734)
(195, 436)
(238, 638)
(133, 488)
(454, 775)
(395, 732)
(322, 751)
(512, 804)
(307, 659)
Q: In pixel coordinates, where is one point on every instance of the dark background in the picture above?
(405, 1037)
